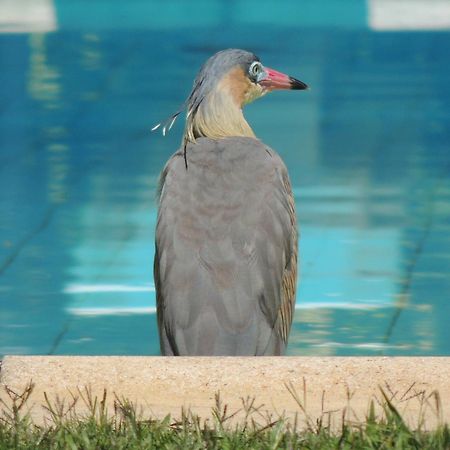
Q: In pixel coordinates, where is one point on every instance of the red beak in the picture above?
(277, 80)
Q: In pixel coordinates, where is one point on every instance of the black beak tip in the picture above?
(297, 84)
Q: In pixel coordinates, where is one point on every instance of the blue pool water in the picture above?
(367, 148)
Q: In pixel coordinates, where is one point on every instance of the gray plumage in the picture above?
(226, 241)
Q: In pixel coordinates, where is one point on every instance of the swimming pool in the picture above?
(368, 151)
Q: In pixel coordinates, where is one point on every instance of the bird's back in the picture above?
(226, 250)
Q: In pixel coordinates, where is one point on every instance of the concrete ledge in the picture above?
(327, 387)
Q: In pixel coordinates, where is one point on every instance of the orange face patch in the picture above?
(241, 89)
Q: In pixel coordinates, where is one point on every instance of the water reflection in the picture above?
(367, 150)
(27, 16)
(91, 55)
(401, 15)
(43, 79)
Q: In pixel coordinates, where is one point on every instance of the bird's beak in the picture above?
(272, 80)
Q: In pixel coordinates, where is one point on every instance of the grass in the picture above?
(126, 428)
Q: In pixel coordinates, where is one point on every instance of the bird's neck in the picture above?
(217, 116)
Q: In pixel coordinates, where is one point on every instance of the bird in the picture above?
(225, 266)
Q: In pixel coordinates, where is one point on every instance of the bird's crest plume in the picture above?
(191, 104)
(167, 124)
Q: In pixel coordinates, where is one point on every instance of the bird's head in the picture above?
(241, 75)
(226, 82)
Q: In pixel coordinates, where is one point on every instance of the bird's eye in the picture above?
(255, 69)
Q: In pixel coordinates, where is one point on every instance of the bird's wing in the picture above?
(289, 284)
(226, 250)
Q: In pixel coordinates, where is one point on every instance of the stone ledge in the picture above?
(326, 386)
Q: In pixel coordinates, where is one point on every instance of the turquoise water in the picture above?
(368, 151)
